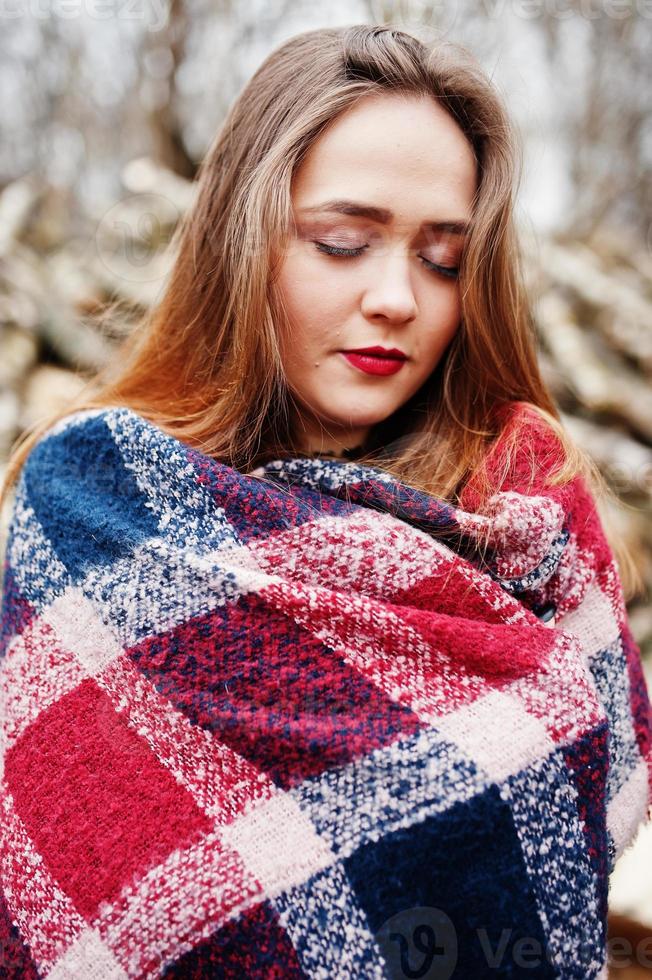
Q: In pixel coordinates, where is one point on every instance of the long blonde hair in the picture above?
(204, 362)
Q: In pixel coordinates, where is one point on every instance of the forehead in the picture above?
(403, 153)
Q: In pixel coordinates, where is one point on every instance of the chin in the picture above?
(359, 420)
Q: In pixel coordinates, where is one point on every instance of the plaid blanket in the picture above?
(299, 723)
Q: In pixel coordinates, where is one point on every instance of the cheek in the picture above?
(314, 313)
(433, 342)
(294, 325)
(450, 307)
(302, 342)
(310, 286)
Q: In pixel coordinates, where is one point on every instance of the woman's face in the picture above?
(391, 185)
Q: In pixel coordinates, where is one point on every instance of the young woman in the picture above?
(316, 656)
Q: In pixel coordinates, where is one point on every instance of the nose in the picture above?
(390, 294)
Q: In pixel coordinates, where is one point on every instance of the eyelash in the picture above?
(448, 271)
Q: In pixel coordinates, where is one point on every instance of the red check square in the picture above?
(99, 806)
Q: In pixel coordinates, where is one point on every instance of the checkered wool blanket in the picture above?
(294, 723)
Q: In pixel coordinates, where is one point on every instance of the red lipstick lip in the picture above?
(374, 364)
(393, 352)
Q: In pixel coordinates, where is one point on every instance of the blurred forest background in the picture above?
(109, 106)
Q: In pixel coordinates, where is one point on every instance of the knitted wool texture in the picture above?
(293, 724)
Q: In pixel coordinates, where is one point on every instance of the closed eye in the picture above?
(451, 272)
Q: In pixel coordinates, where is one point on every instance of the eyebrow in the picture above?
(382, 215)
